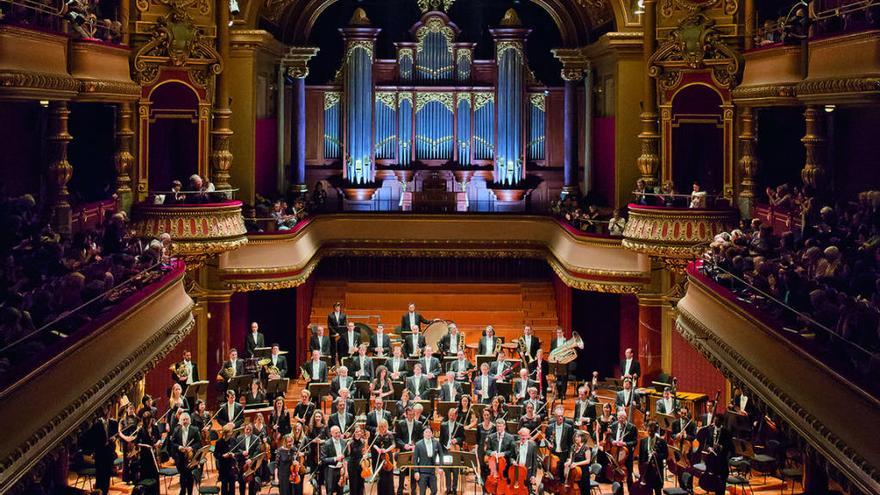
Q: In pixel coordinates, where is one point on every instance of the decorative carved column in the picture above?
(649, 160)
(650, 336)
(297, 62)
(221, 156)
(573, 67)
(60, 170)
(124, 158)
(748, 24)
(510, 39)
(748, 160)
(588, 130)
(814, 145)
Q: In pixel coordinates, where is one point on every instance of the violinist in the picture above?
(355, 452)
(279, 420)
(298, 446)
(535, 400)
(451, 389)
(451, 438)
(149, 439)
(652, 458)
(224, 452)
(581, 457)
(461, 366)
(524, 453)
(404, 402)
(496, 407)
(147, 406)
(231, 411)
(382, 445)
(521, 386)
(529, 420)
(201, 418)
(684, 428)
(185, 442)
(376, 415)
(624, 434)
(284, 457)
(303, 410)
(332, 457)
(248, 449)
(406, 435)
(381, 386)
(177, 403)
(341, 418)
(468, 418)
(128, 427)
(318, 434)
(260, 429)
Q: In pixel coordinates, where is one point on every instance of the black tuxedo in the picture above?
(406, 322)
(373, 420)
(690, 428)
(503, 446)
(629, 435)
(661, 450)
(343, 349)
(634, 397)
(386, 343)
(484, 346)
(195, 374)
(252, 447)
(322, 371)
(431, 365)
(533, 347)
(563, 445)
(337, 420)
(445, 344)
(585, 409)
(717, 464)
(571, 368)
(421, 457)
(453, 366)
(336, 385)
(662, 409)
(408, 348)
(237, 417)
(445, 394)
(496, 368)
(250, 346)
(194, 441)
(401, 433)
(104, 448)
(239, 366)
(490, 388)
(355, 367)
(634, 368)
(329, 452)
(322, 344)
(451, 431)
(337, 325)
(400, 368)
(281, 364)
(418, 386)
(542, 376)
(531, 463)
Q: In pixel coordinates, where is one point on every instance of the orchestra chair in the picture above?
(272, 483)
(685, 485)
(739, 482)
(166, 473)
(595, 471)
(86, 475)
(791, 469)
(762, 463)
(616, 488)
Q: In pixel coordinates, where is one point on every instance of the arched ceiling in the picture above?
(575, 19)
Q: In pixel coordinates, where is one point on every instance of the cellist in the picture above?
(624, 434)
(558, 435)
(581, 457)
(652, 458)
(524, 454)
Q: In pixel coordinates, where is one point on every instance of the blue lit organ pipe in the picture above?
(434, 59)
(463, 117)
(537, 120)
(508, 166)
(359, 112)
(434, 126)
(331, 125)
(484, 126)
(405, 116)
(386, 124)
(463, 64)
(405, 57)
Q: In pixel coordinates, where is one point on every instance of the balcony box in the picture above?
(33, 65)
(102, 71)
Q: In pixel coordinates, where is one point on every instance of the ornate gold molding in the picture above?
(538, 100)
(505, 45)
(31, 85)
(387, 98)
(331, 98)
(426, 5)
(365, 45)
(435, 25)
(481, 98)
(442, 97)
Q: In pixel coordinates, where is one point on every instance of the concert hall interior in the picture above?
(376, 247)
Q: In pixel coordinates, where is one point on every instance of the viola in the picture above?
(366, 467)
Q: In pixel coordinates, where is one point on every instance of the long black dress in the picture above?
(226, 466)
(313, 460)
(283, 460)
(482, 435)
(356, 453)
(578, 455)
(386, 478)
(149, 463)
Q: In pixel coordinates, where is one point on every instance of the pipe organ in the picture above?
(431, 104)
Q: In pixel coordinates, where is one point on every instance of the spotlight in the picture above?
(44, 103)
(830, 108)
(233, 7)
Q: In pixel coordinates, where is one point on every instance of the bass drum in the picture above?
(434, 331)
(365, 331)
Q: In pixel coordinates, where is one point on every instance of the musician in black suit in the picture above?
(397, 365)
(451, 438)
(190, 375)
(628, 396)
(716, 446)
(361, 364)
(185, 442)
(558, 435)
(247, 451)
(668, 404)
(332, 456)
(684, 426)
(539, 369)
(406, 433)
(500, 368)
(279, 361)
(430, 365)
(254, 340)
(341, 418)
(337, 321)
(104, 448)
(342, 380)
(630, 366)
(377, 414)
(322, 343)
(530, 343)
(426, 453)
(625, 434)
(411, 318)
(652, 458)
(451, 342)
(418, 384)
(524, 452)
(315, 368)
(460, 366)
(451, 390)
(562, 378)
(584, 407)
(484, 385)
(708, 418)
(489, 344)
(230, 369)
(414, 342)
(498, 443)
(348, 342)
(380, 342)
(231, 411)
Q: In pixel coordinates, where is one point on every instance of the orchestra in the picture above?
(438, 420)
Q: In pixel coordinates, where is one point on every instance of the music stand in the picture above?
(485, 358)
(468, 460)
(504, 389)
(404, 460)
(196, 390)
(379, 361)
(361, 406)
(427, 406)
(398, 388)
(240, 382)
(263, 352)
(515, 410)
(277, 387)
(478, 410)
(318, 391)
(470, 436)
(391, 407)
(665, 421)
(345, 361)
(511, 426)
(410, 363)
(362, 388)
(466, 387)
(443, 407)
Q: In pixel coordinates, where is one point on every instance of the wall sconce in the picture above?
(830, 108)
(640, 7)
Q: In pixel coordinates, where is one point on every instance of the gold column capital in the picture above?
(296, 60)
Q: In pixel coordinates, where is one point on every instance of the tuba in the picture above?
(566, 353)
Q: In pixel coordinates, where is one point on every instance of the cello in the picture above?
(496, 484)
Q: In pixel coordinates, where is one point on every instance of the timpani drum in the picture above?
(434, 331)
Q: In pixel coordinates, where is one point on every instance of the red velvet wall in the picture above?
(158, 380)
(603, 158)
(555, 119)
(303, 314)
(563, 303)
(315, 127)
(694, 372)
(266, 156)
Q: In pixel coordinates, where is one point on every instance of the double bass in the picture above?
(617, 456)
(649, 476)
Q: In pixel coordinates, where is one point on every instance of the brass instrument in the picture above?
(227, 373)
(180, 370)
(272, 370)
(497, 347)
(566, 353)
(460, 345)
(305, 374)
(523, 352)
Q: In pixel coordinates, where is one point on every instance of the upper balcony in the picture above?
(69, 368)
(199, 230)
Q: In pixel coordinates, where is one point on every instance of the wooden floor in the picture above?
(472, 306)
